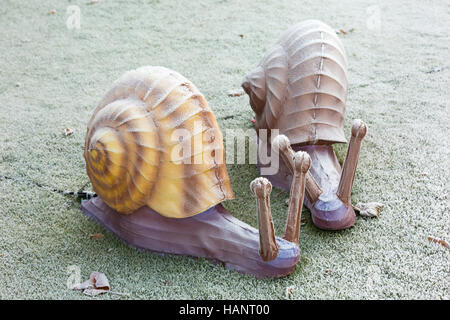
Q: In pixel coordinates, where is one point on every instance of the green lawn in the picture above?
(53, 77)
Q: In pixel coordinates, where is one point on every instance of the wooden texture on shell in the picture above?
(130, 146)
(300, 86)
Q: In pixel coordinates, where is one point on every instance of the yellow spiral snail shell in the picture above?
(136, 142)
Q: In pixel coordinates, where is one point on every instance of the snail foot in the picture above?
(213, 234)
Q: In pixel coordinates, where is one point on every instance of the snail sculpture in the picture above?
(300, 88)
(157, 196)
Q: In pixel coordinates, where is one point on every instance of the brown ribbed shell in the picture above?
(134, 150)
(300, 86)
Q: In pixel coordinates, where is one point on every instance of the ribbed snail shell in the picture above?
(300, 86)
(132, 138)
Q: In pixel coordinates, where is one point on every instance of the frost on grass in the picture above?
(369, 209)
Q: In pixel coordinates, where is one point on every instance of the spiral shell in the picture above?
(300, 86)
(135, 154)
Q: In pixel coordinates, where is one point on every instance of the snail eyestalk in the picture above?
(302, 162)
(359, 130)
(282, 143)
(261, 188)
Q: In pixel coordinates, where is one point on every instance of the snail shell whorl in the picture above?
(130, 146)
(300, 86)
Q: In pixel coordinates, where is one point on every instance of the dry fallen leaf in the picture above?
(97, 284)
(100, 281)
(97, 280)
(369, 209)
(342, 31)
(97, 236)
(289, 291)
(439, 241)
(235, 93)
(68, 131)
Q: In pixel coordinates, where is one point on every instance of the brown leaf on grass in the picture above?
(100, 281)
(289, 291)
(342, 31)
(94, 292)
(439, 241)
(68, 131)
(369, 209)
(235, 93)
(96, 284)
(97, 236)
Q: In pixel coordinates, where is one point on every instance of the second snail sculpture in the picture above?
(300, 88)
